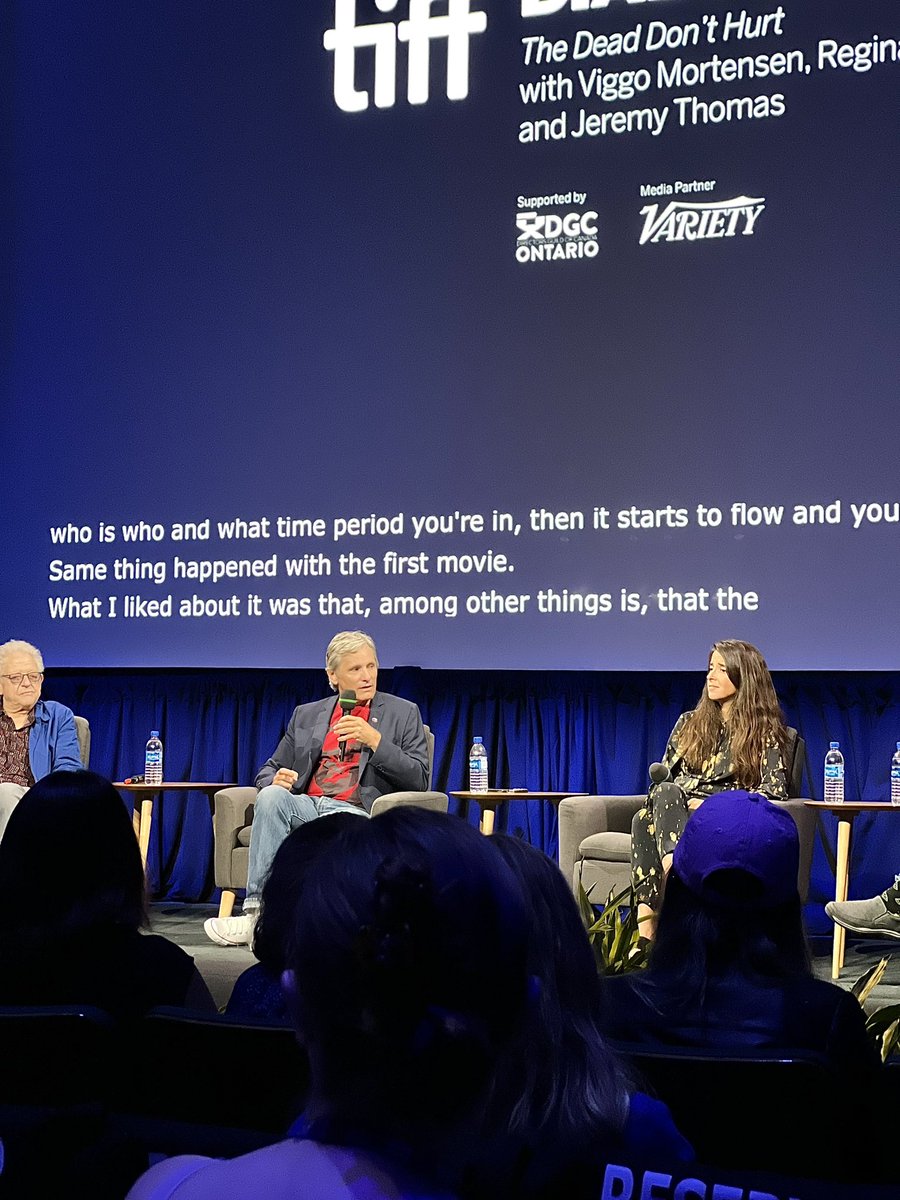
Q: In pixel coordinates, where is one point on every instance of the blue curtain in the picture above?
(586, 732)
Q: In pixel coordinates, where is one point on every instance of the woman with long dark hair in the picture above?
(562, 1103)
(407, 977)
(730, 967)
(71, 873)
(734, 738)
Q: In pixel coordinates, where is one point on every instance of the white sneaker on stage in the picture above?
(231, 931)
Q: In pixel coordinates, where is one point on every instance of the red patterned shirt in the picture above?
(15, 766)
(339, 780)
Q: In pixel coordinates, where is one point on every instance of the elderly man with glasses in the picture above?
(36, 736)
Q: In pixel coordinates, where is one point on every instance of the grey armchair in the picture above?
(83, 733)
(233, 821)
(595, 834)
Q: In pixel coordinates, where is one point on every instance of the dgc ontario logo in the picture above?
(456, 25)
(554, 237)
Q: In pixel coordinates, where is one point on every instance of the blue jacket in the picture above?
(53, 742)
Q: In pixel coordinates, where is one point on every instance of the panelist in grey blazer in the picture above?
(330, 760)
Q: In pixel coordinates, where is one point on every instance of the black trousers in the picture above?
(655, 831)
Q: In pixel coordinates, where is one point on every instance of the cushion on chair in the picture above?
(607, 847)
(243, 835)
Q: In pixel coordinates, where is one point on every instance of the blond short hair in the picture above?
(345, 643)
(8, 649)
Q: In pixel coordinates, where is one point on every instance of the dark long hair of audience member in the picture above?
(561, 1097)
(281, 890)
(257, 993)
(69, 861)
(730, 966)
(697, 940)
(409, 970)
(72, 881)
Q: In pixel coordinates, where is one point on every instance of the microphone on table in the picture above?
(660, 773)
(347, 701)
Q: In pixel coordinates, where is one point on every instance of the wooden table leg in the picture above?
(144, 825)
(841, 887)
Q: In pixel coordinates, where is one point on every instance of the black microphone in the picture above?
(347, 701)
(660, 773)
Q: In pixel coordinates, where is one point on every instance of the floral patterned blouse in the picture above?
(716, 774)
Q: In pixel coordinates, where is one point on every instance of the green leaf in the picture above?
(614, 937)
(864, 985)
(585, 906)
(883, 1026)
(889, 1040)
(881, 1020)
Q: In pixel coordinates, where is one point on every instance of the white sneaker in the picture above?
(231, 931)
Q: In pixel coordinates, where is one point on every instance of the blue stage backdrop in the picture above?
(527, 334)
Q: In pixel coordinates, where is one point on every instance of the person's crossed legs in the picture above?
(276, 813)
(655, 832)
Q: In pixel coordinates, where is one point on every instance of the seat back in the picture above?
(212, 1085)
(760, 1110)
(59, 1071)
(83, 733)
(56, 1055)
(429, 738)
(794, 762)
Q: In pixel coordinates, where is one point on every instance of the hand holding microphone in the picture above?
(354, 729)
(347, 701)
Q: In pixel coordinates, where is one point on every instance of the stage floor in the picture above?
(221, 965)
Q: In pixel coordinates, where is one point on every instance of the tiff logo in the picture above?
(422, 27)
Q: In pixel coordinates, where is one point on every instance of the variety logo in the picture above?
(682, 221)
(456, 25)
(549, 237)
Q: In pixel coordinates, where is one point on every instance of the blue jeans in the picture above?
(277, 812)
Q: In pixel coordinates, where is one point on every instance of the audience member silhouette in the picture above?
(407, 979)
(730, 966)
(258, 994)
(562, 1104)
(73, 883)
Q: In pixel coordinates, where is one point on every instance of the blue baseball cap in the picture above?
(739, 832)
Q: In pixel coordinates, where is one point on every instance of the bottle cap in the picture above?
(478, 739)
(834, 745)
(154, 733)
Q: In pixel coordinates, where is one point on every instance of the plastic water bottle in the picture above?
(895, 778)
(834, 774)
(478, 767)
(153, 765)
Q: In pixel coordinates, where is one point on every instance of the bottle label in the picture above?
(834, 771)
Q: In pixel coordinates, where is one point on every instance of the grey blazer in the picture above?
(400, 763)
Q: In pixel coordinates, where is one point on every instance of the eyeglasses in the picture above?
(31, 676)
